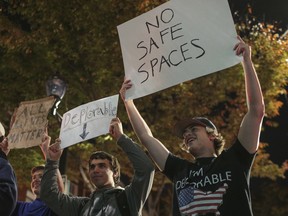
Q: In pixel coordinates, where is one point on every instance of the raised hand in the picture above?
(243, 49)
(115, 128)
(125, 86)
(51, 152)
(46, 139)
(55, 151)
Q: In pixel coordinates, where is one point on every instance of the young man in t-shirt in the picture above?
(217, 183)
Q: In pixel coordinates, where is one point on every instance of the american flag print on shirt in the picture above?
(193, 202)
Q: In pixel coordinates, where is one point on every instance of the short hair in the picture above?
(115, 166)
(219, 141)
(36, 168)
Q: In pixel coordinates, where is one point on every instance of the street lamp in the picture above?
(55, 86)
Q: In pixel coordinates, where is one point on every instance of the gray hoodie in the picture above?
(102, 202)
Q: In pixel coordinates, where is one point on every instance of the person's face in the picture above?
(35, 182)
(198, 142)
(101, 174)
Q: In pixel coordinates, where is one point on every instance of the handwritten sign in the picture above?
(175, 42)
(29, 123)
(88, 121)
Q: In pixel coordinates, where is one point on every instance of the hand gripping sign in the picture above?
(175, 42)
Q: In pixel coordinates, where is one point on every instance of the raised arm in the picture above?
(157, 150)
(60, 203)
(137, 192)
(250, 128)
(44, 149)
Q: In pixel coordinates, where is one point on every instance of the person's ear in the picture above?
(212, 137)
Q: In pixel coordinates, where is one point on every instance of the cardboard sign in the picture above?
(175, 42)
(88, 121)
(29, 123)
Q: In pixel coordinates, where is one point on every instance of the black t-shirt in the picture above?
(212, 186)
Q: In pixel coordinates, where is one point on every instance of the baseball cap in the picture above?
(183, 124)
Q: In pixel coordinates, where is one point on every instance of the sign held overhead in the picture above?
(176, 42)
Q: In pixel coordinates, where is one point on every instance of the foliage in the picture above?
(78, 39)
(271, 198)
(265, 168)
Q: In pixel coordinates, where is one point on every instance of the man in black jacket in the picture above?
(8, 187)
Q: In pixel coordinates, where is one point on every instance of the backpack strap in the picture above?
(122, 203)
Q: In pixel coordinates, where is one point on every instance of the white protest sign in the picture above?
(88, 121)
(175, 42)
(29, 122)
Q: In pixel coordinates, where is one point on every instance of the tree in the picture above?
(78, 38)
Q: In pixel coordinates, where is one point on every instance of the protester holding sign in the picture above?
(217, 182)
(104, 171)
(8, 187)
(37, 207)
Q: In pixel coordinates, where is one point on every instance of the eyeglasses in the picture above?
(1, 138)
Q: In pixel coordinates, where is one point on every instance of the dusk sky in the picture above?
(268, 10)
